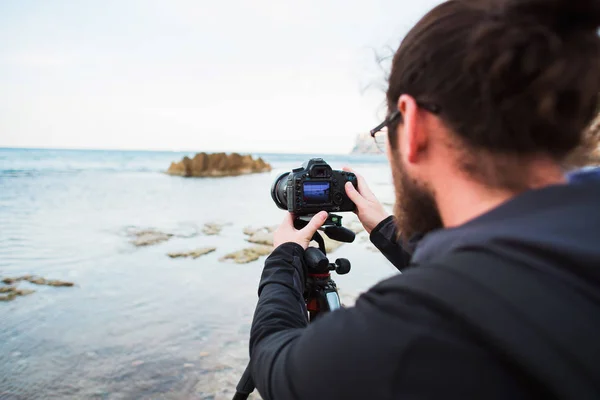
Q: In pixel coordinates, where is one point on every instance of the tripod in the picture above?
(321, 293)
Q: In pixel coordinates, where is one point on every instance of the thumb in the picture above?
(356, 197)
(315, 223)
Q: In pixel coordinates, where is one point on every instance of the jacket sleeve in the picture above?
(398, 251)
(391, 345)
(333, 356)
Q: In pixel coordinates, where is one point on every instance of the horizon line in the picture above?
(3, 147)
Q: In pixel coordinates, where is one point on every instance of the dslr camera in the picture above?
(312, 188)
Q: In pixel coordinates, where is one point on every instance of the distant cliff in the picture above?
(582, 156)
(365, 144)
(218, 164)
(589, 152)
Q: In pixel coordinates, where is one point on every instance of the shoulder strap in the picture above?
(547, 330)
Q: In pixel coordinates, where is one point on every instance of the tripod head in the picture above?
(318, 263)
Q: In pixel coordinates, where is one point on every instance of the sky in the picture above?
(290, 76)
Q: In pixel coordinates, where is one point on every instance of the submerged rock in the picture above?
(194, 253)
(12, 281)
(331, 245)
(250, 230)
(148, 237)
(42, 281)
(263, 237)
(260, 235)
(212, 229)
(7, 289)
(217, 165)
(8, 297)
(10, 293)
(248, 255)
(37, 280)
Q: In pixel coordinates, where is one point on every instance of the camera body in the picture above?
(312, 188)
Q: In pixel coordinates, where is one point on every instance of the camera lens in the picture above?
(279, 191)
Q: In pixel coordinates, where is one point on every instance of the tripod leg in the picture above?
(333, 300)
(245, 385)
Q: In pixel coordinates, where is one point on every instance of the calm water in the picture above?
(138, 324)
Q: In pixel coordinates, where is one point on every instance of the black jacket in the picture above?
(391, 345)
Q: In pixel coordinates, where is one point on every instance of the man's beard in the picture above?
(415, 210)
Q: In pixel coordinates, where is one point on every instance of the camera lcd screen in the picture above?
(316, 192)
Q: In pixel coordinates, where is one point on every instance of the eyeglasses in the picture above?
(381, 137)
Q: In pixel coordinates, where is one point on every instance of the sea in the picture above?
(138, 324)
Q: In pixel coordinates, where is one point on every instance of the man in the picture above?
(500, 298)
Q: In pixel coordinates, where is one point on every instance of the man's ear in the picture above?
(414, 138)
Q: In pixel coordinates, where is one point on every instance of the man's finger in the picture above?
(315, 223)
(363, 188)
(354, 195)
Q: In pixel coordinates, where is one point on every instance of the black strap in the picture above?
(546, 329)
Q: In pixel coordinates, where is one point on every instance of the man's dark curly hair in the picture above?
(513, 78)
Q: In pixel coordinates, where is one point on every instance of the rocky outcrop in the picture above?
(248, 255)
(149, 237)
(36, 280)
(212, 228)
(365, 144)
(141, 237)
(262, 236)
(219, 164)
(11, 292)
(194, 253)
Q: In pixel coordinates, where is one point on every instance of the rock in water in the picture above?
(36, 280)
(11, 281)
(212, 229)
(261, 236)
(10, 293)
(7, 289)
(59, 283)
(194, 253)
(9, 297)
(149, 237)
(218, 164)
(248, 255)
(331, 245)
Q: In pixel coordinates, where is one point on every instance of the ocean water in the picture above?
(138, 324)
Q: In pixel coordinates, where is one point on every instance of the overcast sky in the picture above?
(234, 75)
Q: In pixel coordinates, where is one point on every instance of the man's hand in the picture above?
(369, 210)
(287, 233)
